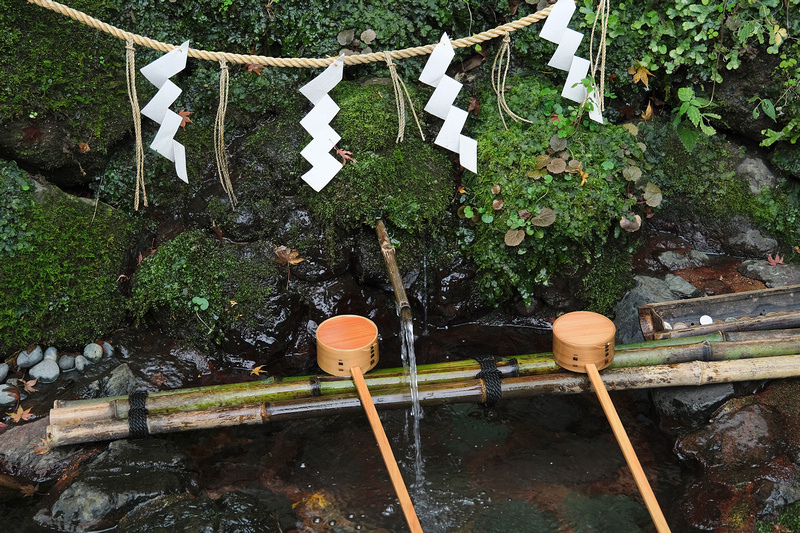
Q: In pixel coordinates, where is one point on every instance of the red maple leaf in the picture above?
(774, 261)
(254, 67)
(31, 134)
(185, 118)
(345, 155)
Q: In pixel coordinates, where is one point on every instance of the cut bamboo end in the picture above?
(347, 341)
(583, 337)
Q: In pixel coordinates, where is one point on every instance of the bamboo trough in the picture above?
(712, 347)
(639, 366)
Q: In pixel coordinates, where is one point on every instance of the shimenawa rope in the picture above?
(130, 74)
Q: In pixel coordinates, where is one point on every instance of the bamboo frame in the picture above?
(74, 430)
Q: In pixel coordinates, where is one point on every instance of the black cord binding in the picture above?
(491, 377)
(137, 414)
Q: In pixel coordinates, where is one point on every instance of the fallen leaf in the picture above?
(514, 237)
(29, 490)
(462, 189)
(640, 75)
(254, 67)
(287, 256)
(630, 224)
(42, 447)
(774, 261)
(31, 134)
(185, 118)
(29, 385)
(367, 36)
(474, 105)
(345, 155)
(20, 415)
(557, 165)
(84, 148)
(545, 217)
(257, 371)
(648, 113)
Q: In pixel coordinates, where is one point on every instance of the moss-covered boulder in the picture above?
(60, 261)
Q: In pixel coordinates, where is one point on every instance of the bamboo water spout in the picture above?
(388, 251)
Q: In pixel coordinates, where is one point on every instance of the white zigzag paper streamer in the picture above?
(317, 123)
(158, 73)
(555, 30)
(441, 105)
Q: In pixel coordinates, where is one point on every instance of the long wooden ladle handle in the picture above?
(627, 449)
(386, 451)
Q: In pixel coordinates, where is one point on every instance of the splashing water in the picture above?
(410, 365)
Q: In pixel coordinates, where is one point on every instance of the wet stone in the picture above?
(126, 475)
(27, 359)
(66, 362)
(8, 395)
(81, 363)
(51, 353)
(3, 371)
(93, 352)
(46, 371)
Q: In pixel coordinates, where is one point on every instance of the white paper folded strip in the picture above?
(158, 73)
(317, 123)
(555, 30)
(441, 105)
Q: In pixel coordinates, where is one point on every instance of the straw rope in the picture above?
(130, 75)
(400, 103)
(219, 134)
(599, 60)
(297, 62)
(499, 84)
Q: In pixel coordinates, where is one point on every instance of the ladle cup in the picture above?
(581, 341)
(345, 344)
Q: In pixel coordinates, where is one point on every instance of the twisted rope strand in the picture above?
(219, 134)
(130, 75)
(297, 62)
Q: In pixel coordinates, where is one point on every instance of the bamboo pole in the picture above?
(709, 348)
(694, 373)
(627, 449)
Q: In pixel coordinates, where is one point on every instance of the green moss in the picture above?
(189, 286)
(608, 279)
(511, 191)
(54, 67)
(62, 289)
(407, 183)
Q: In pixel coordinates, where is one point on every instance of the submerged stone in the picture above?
(3, 371)
(51, 353)
(66, 362)
(8, 395)
(93, 352)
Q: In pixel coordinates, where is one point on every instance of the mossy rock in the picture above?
(408, 183)
(64, 86)
(61, 283)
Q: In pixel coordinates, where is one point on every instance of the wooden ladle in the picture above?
(345, 344)
(581, 341)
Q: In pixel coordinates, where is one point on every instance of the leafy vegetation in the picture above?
(16, 200)
(543, 205)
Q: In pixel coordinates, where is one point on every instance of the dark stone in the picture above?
(126, 475)
(771, 276)
(234, 512)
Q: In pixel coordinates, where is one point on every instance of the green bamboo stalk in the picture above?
(274, 390)
(693, 373)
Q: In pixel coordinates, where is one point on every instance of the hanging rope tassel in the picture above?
(499, 85)
(130, 74)
(399, 99)
(599, 61)
(219, 134)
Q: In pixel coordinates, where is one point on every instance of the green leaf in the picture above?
(694, 115)
(652, 195)
(200, 302)
(688, 136)
(707, 129)
(686, 94)
(769, 108)
(487, 218)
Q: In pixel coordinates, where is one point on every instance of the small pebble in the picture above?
(3, 371)
(46, 371)
(680, 325)
(706, 320)
(731, 319)
(81, 363)
(93, 352)
(27, 359)
(667, 325)
(51, 353)
(66, 362)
